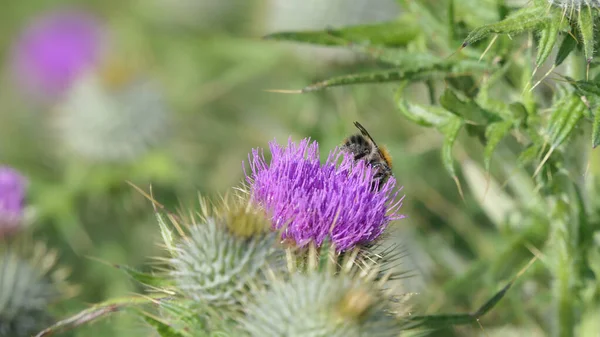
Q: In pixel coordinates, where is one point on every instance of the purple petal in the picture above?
(312, 201)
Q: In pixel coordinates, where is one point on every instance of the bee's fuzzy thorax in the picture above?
(386, 155)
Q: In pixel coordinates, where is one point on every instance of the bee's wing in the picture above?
(364, 132)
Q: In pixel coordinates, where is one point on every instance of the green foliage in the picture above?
(468, 89)
(498, 101)
(318, 304)
(28, 286)
(392, 34)
(215, 267)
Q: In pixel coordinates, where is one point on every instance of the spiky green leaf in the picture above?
(392, 75)
(548, 37)
(526, 19)
(435, 70)
(403, 58)
(165, 232)
(586, 28)
(585, 87)
(392, 34)
(567, 45)
(565, 115)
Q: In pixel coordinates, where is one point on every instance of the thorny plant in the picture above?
(231, 268)
(480, 62)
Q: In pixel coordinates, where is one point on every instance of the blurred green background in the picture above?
(191, 129)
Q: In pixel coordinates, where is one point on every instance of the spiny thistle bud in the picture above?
(29, 283)
(112, 115)
(320, 304)
(221, 257)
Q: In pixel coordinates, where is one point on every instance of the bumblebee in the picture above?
(363, 147)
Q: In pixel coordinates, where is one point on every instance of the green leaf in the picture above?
(566, 47)
(450, 131)
(596, 129)
(585, 87)
(94, 313)
(437, 321)
(518, 111)
(437, 70)
(548, 38)
(567, 112)
(163, 329)
(392, 34)
(165, 232)
(144, 278)
(526, 19)
(468, 109)
(392, 75)
(425, 116)
(586, 27)
(529, 154)
(494, 133)
(404, 58)
(452, 21)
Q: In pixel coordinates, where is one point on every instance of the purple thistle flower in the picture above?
(12, 194)
(55, 49)
(310, 201)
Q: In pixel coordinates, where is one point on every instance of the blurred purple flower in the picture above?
(311, 201)
(55, 49)
(12, 194)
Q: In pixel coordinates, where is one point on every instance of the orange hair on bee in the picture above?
(385, 154)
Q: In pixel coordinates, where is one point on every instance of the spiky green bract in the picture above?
(221, 256)
(29, 283)
(214, 266)
(575, 3)
(320, 304)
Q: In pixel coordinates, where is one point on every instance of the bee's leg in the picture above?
(377, 177)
